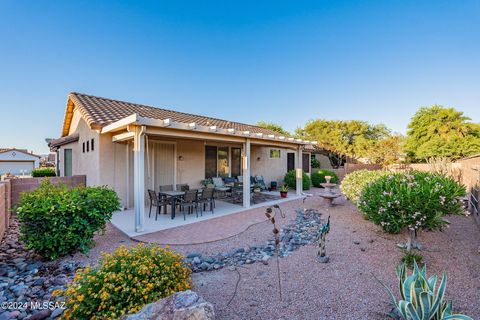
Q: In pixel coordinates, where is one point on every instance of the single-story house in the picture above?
(17, 161)
(132, 148)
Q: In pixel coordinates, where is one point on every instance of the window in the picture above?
(83, 147)
(88, 146)
(91, 144)
(222, 161)
(274, 153)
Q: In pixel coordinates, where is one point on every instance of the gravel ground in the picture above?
(342, 289)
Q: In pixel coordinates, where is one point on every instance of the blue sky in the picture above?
(280, 61)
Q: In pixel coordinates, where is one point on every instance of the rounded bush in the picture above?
(291, 180)
(353, 183)
(56, 220)
(124, 282)
(44, 172)
(413, 200)
(318, 177)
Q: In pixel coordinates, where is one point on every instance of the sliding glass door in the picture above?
(210, 161)
(222, 161)
(236, 162)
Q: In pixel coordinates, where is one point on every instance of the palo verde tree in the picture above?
(274, 127)
(437, 131)
(353, 138)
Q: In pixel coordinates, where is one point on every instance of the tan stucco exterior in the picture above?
(111, 163)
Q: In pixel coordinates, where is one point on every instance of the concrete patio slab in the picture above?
(124, 220)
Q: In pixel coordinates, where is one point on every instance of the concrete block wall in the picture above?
(29, 184)
(4, 207)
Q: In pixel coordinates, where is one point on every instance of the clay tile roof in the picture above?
(99, 112)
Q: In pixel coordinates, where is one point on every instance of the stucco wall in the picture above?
(324, 161)
(271, 169)
(83, 163)
(191, 169)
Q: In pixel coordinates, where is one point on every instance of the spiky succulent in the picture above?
(421, 299)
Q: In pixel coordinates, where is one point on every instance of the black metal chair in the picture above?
(155, 200)
(206, 198)
(190, 202)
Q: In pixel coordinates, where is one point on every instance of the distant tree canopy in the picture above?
(354, 138)
(437, 131)
(273, 126)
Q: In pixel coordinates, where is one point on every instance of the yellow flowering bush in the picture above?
(124, 282)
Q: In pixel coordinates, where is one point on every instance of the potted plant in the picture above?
(257, 188)
(284, 191)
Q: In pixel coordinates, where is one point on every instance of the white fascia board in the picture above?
(120, 124)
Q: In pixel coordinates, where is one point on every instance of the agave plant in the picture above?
(421, 298)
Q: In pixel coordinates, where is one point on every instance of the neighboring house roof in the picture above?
(99, 112)
(55, 143)
(25, 151)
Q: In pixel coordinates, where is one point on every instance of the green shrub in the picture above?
(314, 163)
(56, 221)
(291, 180)
(410, 258)
(43, 172)
(318, 177)
(124, 282)
(353, 183)
(413, 200)
(420, 296)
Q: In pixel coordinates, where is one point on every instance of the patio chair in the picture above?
(190, 202)
(229, 181)
(220, 186)
(156, 201)
(261, 182)
(183, 187)
(206, 198)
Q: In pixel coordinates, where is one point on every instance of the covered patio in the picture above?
(167, 152)
(123, 219)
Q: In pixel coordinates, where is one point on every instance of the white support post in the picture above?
(299, 171)
(246, 173)
(139, 177)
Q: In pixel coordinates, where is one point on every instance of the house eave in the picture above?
(192, 129)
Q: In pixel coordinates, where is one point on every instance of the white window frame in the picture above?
(270, 153)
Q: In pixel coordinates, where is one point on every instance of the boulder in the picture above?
(184, 305)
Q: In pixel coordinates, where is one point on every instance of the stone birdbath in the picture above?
(329, 195)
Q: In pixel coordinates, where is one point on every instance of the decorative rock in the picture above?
(57, 313)
(181, 305)
(42, 314)
(324, 259)
(356, 242)
(197, 260)
(300, 233)
(192, 255)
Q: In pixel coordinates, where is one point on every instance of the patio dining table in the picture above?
(173, 195)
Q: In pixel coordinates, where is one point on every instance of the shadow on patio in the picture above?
(227, 220)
